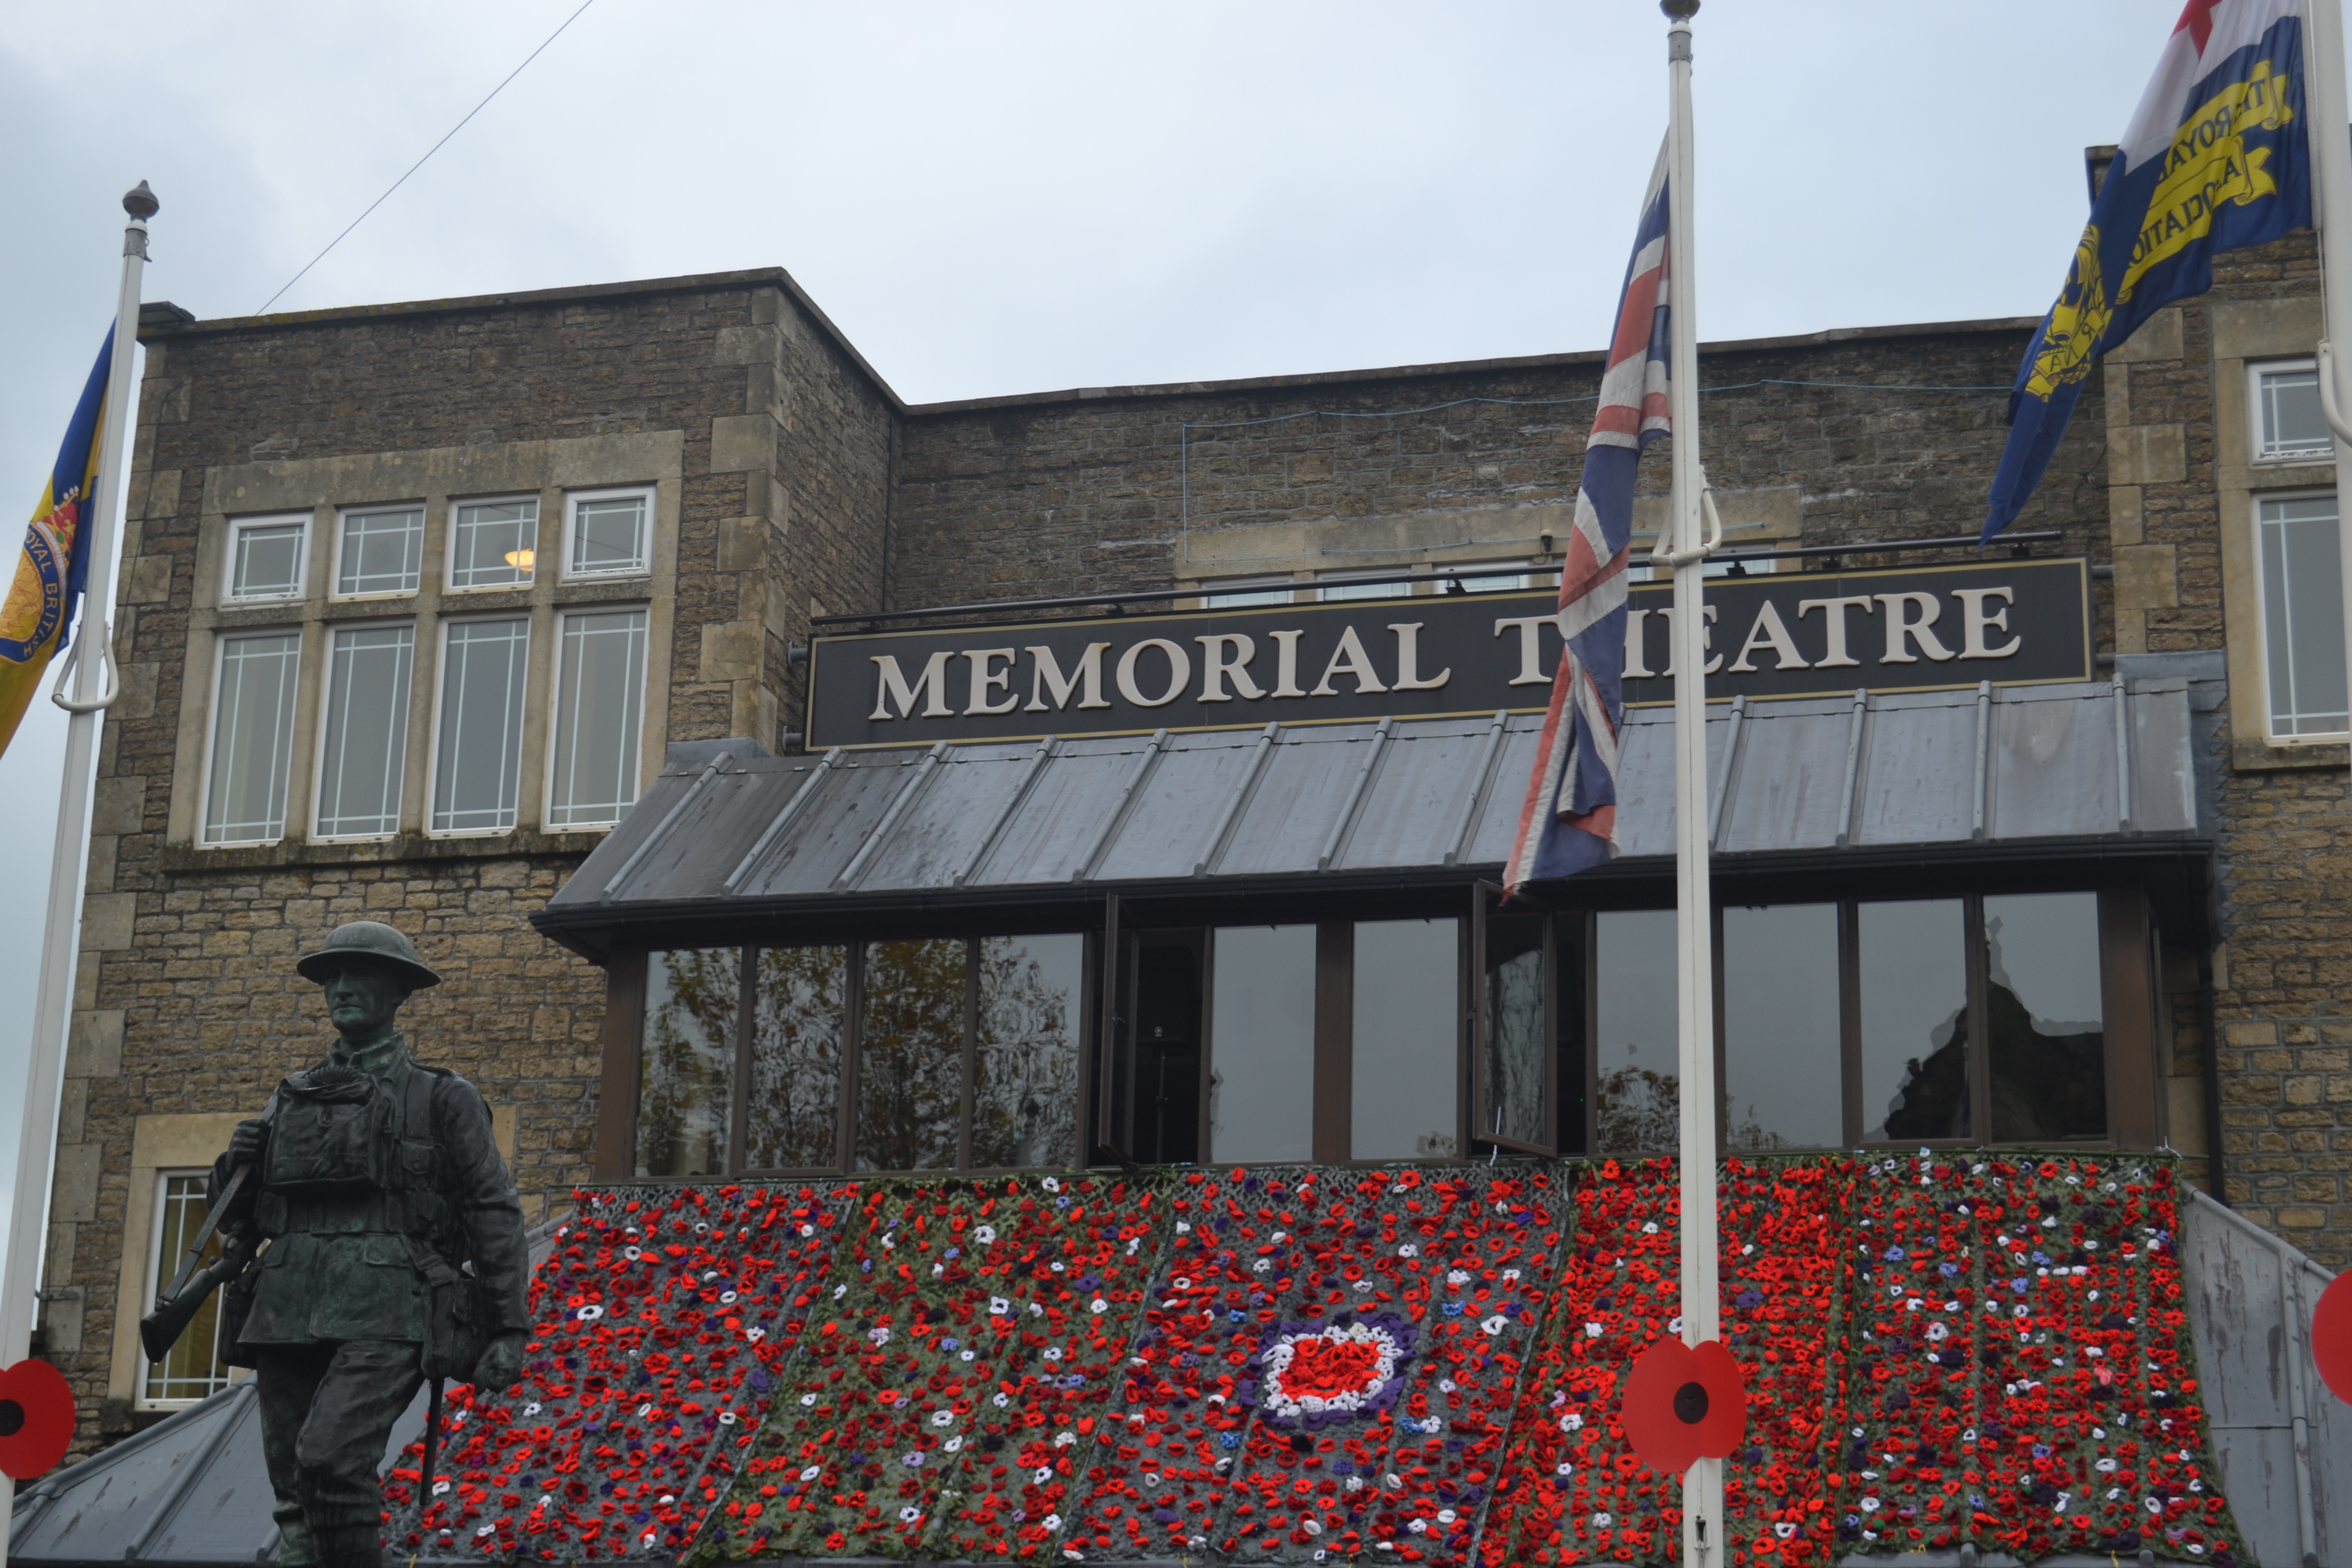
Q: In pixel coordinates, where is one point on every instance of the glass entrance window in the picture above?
(1025, 1100)
(798, 1028)
(1915, 1019)
(2044, 1022)
(1514, 1054)
(1636, 1033)
(911, 1055)
(1262, 1044)
(685, 1085)
(1402, 1078)
(1782, 1046)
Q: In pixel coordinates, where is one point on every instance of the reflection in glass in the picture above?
(686, 1086)
(1512, 1070)
(384, 551)
(492, 543)
(253, 738)
(1261, 1045)
(911, 1055)
(1782, 1057)
(477, 768)
(1635, 1032)
(1024, 1096)
(608, 536)
(364, 751)
(2303, 615)
(794, 1119)
(1405, 1045)
(1915, 1011)
(599, 682)
(266, 561)
(1158, 1063)
(2044, 1024)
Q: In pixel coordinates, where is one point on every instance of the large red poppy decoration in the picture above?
(2331, 1336)
(36, 1419)
(1684, 1403)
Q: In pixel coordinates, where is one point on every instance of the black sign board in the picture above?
(1794, 633)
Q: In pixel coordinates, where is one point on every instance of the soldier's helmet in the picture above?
(374, 941)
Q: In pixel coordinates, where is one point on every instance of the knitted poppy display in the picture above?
(1423, 1364)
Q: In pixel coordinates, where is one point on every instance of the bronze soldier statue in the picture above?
(395, 1252)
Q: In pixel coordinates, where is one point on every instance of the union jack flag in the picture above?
(1570, 821)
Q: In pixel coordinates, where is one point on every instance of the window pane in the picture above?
(1238, 598)
(1338, 591)
(608, 535)
(2302, 617)
(1024, 1099)
(266, 561)
(1915, 1020)
(686, 1086)
(366, 745)
(2293, 425)
(479, 764)
(1157, 1066)
(492, 544)
(2044, 1024)
(1262, 1044)
(911, 1055)
(1517, 1043)
(1638, 1066)
(382, 551)
(1407, 993)
(193, 1368)
(795, 1115)
(253, 739)
(1782, 1057)
(600, 681)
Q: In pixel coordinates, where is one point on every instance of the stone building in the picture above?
(419, 598)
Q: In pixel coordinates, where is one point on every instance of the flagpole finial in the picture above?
(1680, 10)
(140, 202)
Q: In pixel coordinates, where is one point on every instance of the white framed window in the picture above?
(608, 534)
(1339, 587)
(267, 559)
(194, 1368)
(379, 550)
(252, 745)
(493, 544)
(1242, 592)
(600, 688)
(2288, 424)
(477, 731)
(2304, 678)
(364, 740)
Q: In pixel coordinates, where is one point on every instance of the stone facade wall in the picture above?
(1129, 489)
(186, 1002)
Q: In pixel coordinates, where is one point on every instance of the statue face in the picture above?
(362, 998)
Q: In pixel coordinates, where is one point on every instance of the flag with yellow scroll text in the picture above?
(53, 565)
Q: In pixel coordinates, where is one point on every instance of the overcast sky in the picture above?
(1004, 198)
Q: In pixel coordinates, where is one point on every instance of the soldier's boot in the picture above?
(355, 1546)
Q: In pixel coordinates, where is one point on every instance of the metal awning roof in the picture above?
(2094, 763)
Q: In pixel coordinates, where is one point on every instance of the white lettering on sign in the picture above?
(1045, 676)
(1407, 635)
(1223, 654)
(985, 681)
(1180, 673)
(1705, 640)
(1769, 631)
(1530, 630)
(1834, 616)
(1349, 659)
(1286, 663)
(1974, 620)
(1902, 629)
(933, 685)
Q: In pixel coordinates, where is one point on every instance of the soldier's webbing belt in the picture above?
(380, 1212)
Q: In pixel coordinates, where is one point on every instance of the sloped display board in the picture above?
(1301, 1364)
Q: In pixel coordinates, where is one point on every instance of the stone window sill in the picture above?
(404, 847)
(2262, 756)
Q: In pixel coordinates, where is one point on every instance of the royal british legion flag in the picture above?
(1570, 819)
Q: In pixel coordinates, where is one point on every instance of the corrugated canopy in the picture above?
(2100, 765)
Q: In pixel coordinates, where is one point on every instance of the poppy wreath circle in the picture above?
(1684, 1403)
(1335, 1371)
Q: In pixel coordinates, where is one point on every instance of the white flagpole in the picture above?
(94, 685)
(2331, 158)
(1694, 904)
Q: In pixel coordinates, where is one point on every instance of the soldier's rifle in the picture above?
(177, 1307)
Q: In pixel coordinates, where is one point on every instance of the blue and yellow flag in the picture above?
(55, 563)
(2215, 159)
